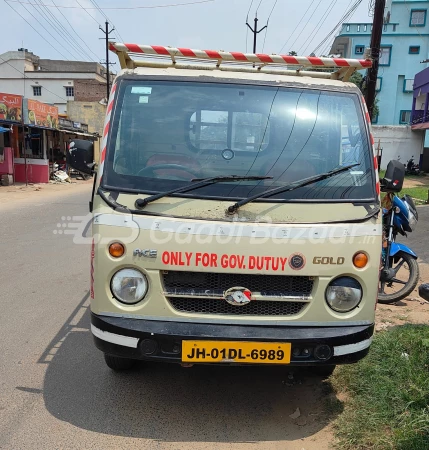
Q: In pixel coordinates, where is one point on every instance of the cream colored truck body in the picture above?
(184, 237)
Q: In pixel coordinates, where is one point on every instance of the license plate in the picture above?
(236, 352)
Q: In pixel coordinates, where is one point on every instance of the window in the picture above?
(212, 130)
(414, 49)
(418, 18)
(394, 27)
(365, 27)
(359, 49)
(358, 28)
(37, 91)
(385, 54)
(405, 117)
(408, 84)
(69, 91)
(348, 28)
(385, 27)
(378, 85)
(165, 133)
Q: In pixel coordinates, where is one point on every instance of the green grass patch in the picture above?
(387, 393)
(418, 192)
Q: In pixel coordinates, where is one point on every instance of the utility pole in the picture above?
(106, 37)
(371, 77)
(255, 31)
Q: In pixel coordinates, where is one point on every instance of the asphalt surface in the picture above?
(56, 391)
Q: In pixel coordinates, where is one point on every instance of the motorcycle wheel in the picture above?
(408, 284)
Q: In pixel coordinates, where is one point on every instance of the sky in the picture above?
(211, 24)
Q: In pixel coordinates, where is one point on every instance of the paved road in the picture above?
(56, 392)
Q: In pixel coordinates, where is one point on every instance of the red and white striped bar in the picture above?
(305, 61)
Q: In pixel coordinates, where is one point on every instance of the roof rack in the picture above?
(186, 58)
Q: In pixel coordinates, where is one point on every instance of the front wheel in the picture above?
(119, 364)
(401, 280)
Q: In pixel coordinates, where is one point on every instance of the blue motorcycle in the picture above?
(399, 272)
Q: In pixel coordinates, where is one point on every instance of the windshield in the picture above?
(164, 134)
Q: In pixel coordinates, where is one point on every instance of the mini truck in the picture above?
(231, 224)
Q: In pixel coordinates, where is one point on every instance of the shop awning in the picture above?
(4, 130)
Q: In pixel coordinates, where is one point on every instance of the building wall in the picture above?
(400, 36)
(91, 113)
(398, 142)
(61, 74)
(89, 90)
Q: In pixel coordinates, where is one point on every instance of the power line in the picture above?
(107, 19)
(77, 34)
(268, 20)
(53, 26)
(349, 12)
(298, 24)
(316, 29)
(47, 30)
(75, 43)
(258, 6)
(22, 17)
(305, 26)
(171, 5)
(247, 20)
(86, 10)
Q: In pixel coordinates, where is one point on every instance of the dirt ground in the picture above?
(416, 181)
(19, 192)
(412, 309)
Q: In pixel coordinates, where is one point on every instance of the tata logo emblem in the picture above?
(238, 296)
(296, 261)
(146, 252)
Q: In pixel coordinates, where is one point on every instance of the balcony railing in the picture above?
(419, 116)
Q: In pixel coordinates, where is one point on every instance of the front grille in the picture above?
(215, 284)
(254, 308)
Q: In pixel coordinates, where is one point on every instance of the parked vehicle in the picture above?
(236, 212)
(400, 271)
(411, 168)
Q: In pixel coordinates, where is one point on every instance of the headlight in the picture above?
(129, 286)
(412, 220)
(343, 294)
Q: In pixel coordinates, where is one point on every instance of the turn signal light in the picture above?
(360, 260)
(116, 249)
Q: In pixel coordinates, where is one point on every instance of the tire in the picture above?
(119, 364)
(408, 287)
(323, 371)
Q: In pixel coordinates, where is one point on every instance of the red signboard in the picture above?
(10, 107)
(42, 114)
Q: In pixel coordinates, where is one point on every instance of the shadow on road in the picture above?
(169, 403)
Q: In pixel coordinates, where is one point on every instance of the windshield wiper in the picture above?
(197, 183)
(290, 187)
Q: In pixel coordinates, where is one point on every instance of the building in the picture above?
(404, 45)
(48, 81)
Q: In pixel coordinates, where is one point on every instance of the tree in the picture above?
(293, 53)
(358, 79)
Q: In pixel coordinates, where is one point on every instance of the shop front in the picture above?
(10, 120)
(40, 136)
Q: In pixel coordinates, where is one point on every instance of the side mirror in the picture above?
(80, 156)
(394, 177)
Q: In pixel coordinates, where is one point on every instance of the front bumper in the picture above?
(162, 340)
